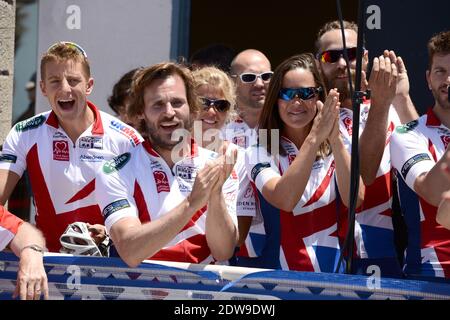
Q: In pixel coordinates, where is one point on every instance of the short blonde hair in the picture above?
(216, 78)
(63, 51)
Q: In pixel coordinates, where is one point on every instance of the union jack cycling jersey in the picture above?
(374, 234)
(305, 239)
(141, 184)
(415, 148)
(239, 133)
(63, 173)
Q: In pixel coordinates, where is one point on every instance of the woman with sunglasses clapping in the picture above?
(217, 96)
(298, 165)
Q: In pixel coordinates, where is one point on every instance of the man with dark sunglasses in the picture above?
(251, 72)
(389, 106)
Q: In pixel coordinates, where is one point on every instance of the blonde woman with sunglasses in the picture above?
(216, 94)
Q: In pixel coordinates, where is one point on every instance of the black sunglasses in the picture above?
(220, 105)
(287, 94)
(332, 56)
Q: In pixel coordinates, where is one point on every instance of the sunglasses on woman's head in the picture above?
(220, 105)
(287, 94)
(332, 56)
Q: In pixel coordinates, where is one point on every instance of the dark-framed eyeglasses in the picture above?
(332, 56)
(220, 105)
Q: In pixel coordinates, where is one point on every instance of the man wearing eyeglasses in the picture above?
(251, 71)
(389, 106)
(62, 149)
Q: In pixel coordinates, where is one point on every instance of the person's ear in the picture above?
(89, 86)
(428, 79)
(43, 89)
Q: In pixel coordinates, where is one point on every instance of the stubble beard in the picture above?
(443, 103)
(341, 85)
(249, 103)
(166, 143)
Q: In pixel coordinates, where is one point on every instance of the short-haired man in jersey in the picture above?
(418, 149)
(169, 199)
(390, 105)
(62, 149)
(251, 71)
(443, 213)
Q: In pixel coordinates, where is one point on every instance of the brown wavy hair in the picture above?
(438, 44)
(270, 117)
(164, 70)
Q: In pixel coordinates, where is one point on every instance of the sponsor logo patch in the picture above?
(162, 182)
(258, 168)
(249, 192)
(348, 125)
(241, 141)
(59, 135)
(445, 141)
(116, 163)
(416, 159)
(114, 207)
(126, 131)
(8, 158)
(91, 143)
(91, 158)
(60, 150)
(187, 173)
(30, 124)
(407, 127)
(317, 165)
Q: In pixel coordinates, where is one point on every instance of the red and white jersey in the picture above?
(239, 133)
(63, 173)
(9, 225)
(245, 205)
(308, 234)
(416, 147)
(374, 235)
(141, 184)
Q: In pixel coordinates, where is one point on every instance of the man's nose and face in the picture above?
(438, 78)
(166, 109)
(332, 62)
(66, 87)
(252, 76)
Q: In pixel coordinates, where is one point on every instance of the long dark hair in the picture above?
(270, 116)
